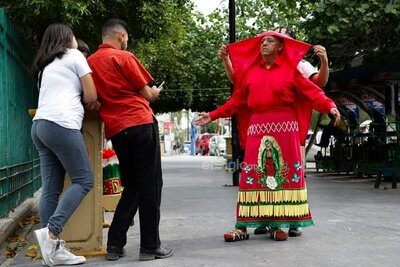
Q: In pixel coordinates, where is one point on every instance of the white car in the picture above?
(315, 148)
(217, 146)
(186, 147)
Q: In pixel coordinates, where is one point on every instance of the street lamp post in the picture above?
(235, 137)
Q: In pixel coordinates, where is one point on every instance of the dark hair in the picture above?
(288, 31)
(111, 24)
(280, 39)
(57, 38)
(82, 46)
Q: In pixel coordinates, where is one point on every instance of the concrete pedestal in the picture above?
(84, 230)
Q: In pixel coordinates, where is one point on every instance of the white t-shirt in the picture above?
(61, 91)
(306, 69)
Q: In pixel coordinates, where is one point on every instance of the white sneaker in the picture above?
(46, 244)
(62, 256)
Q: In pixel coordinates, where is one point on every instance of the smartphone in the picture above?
(160, 84)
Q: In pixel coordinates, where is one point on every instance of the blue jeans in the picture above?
(61, 150)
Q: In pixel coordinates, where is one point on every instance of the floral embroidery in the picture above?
(297, 165)
(249, 180)
(247, 168)
(295, 177)
(262, 181)
(258, 169)
(285, 172)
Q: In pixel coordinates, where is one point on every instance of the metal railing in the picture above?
(19, 163)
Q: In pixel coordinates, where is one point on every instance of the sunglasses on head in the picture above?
(286, 31)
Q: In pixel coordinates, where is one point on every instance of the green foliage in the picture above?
(257, 16)
(349, 28)
(180, 45)
(209, 128)
(166, 58)
(195, 75)
(146, 19)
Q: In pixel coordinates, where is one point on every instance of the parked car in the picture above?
(217, 145)
(202, 141)
(314, 148)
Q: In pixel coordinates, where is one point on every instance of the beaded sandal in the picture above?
(237, 234)
(278, 234)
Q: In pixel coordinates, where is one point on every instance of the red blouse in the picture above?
(258, 88)
(279, 86)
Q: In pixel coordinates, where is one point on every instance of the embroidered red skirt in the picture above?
(272, 190)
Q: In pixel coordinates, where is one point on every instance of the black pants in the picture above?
(138, 151)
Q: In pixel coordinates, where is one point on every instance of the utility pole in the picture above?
(235, 136)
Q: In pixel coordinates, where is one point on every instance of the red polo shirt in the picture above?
(119, 76)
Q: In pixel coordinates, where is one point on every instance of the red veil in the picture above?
(245, 54)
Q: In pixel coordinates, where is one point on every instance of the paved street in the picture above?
(356, 225)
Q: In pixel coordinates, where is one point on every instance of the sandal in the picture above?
(237, 234)
(278, 234)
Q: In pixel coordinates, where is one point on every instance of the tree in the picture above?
(347, 29)
(146, 19)
(180, 45)
(156, 29)
(252, 18)
(167, 59)
(369, 29)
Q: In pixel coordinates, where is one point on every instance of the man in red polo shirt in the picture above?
(124, 95)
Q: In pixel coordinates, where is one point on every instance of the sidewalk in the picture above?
(356, 225)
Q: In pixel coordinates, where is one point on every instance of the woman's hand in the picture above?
(93, 105)
(320, 51)
(223, 53)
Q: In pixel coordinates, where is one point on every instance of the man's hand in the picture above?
(336, 114)
(156, 90)
(203, 119)
(150, 93)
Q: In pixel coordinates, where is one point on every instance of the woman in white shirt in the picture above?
(65, 85)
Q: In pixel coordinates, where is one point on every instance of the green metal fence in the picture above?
(19, 163)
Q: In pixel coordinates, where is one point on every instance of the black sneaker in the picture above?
(151, 254)
(261, 230)
(294, 232)
(114, 253)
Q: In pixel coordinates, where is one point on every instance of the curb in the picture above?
(9, 224)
